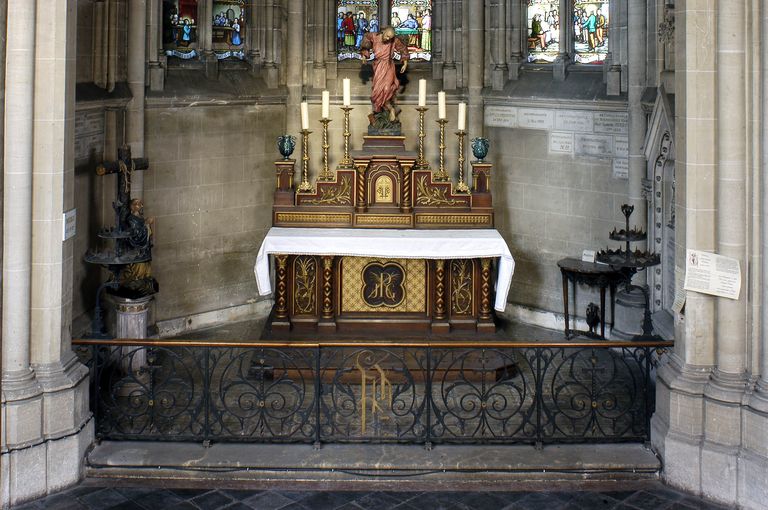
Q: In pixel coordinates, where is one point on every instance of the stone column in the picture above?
(205, 38)
(253, 40)
(679, 421)
(475, 63)
(438, 6)
(637, 119)
(318, 66)
(516, 43)
(63, 379)
(560, 67)
(386, 13)
(154, 41)
(731, 195)
(500, 69)
(762, 384)
(294, 63)
(134, 120)
(331, 67)
(450, 75)
(270, 66)
(613, 71)
(18, 379)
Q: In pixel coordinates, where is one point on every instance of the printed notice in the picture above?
(501, 116)
(561, 142)
(713, 274)
(535, 118)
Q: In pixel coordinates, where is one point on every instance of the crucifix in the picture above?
(124, 168)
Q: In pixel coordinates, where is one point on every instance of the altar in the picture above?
(383, 239)
(345, 279)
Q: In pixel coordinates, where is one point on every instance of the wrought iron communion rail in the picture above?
(428, 393)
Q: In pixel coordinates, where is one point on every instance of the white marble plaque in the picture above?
(535, 118)
(594, 145)
(501, 116)
(620, 168)
(621, 146)
(70, 224)
(573, 120)
(612, 123)
(561, 142)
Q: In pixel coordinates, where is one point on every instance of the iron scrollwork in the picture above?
(411, 394)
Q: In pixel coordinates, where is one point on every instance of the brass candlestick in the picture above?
(441, 175)
(461, 187)
(305, 186)
(326, 174)
(421, 162)
(346, 161)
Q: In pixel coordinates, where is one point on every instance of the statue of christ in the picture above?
(386, 48)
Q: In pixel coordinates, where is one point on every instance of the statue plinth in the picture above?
(373, 142)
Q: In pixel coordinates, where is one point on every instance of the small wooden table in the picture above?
(592, 274)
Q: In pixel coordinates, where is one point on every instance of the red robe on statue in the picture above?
(385, 82)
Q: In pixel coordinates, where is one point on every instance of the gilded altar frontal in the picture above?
(392, 286)
(508, 250)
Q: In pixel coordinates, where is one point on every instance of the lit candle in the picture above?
(441, 105)
(347, 92)
(304, 116)
(326, 110)
(462, 116)
(422, 93)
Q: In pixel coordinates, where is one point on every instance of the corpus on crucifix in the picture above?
(385, 48)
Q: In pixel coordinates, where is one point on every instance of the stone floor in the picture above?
(101, 494)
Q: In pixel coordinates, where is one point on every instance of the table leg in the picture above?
(613, 305)
(602, 312)
(565, 303)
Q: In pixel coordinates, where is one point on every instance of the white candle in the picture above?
(326, 110)
(441, 105)
(462, 116)
(347, 92)
(422, 93)
(304, 116)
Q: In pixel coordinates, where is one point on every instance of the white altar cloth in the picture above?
(388, 243)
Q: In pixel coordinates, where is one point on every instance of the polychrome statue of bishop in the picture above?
(386, 49)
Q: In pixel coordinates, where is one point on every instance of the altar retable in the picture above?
(408, 249)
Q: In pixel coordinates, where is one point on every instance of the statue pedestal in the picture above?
(131, 320)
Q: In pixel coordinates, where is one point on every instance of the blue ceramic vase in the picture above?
(480, 148)
(286, 144)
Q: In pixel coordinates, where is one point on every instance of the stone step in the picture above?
(354, 466)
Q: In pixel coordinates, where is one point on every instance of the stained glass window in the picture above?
(412, 21)
(228, 28)
(180, 27)
(590, 30)
(354, 18)
(543, 30)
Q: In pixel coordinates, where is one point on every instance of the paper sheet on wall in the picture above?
(713, 274)
(679, 302)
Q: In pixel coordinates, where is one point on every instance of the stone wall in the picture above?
(209, 188)
(549, 203)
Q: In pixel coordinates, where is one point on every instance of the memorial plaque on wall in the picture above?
(535, 118)
(561, 142)
(612, 123)
(594, 145)
(620, 168)
(573, 120)
(501, 116)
